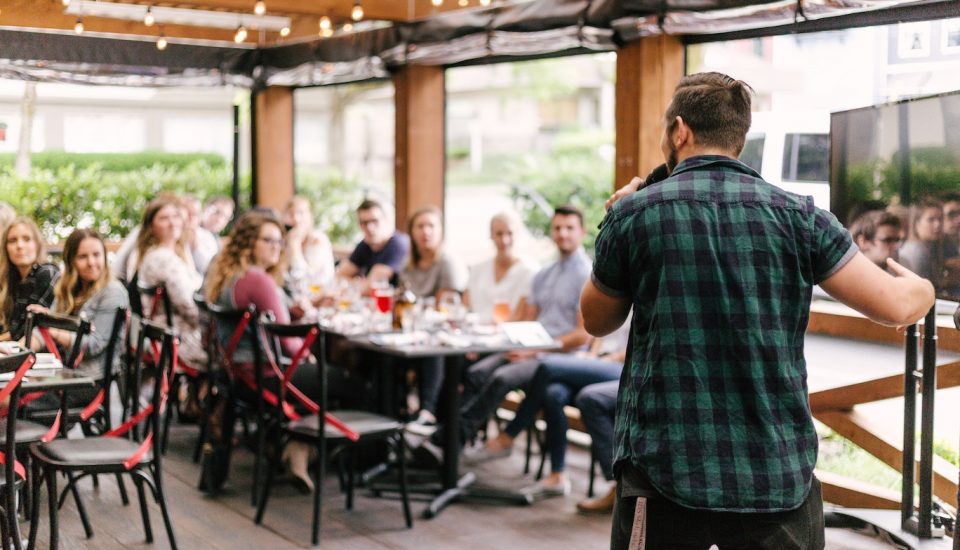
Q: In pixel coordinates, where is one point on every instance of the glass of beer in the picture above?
(501, 312)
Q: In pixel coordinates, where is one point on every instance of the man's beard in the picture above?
(672, 157)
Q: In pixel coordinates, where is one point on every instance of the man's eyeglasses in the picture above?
(952, 213)
(273, 242)
(371, 221)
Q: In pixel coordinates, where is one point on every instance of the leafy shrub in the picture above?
(68, 197)
(574, 173)
(114, 162)
(333, 198)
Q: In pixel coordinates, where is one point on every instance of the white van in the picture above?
(792, 150)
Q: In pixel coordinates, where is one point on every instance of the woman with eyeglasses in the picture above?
(163, 258)
(25, 277)
(250, 270)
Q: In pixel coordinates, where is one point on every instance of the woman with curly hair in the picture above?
(250, 270)
(25, 277)
(162, 258)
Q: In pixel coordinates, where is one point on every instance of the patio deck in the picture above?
(226, 522)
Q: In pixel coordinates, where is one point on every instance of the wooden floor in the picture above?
(226, 521)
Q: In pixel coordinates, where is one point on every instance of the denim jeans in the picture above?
(485, 385)
(598, 404)
(557, 380)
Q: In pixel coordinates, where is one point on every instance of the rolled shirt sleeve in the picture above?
(610, 274)
(832, 246)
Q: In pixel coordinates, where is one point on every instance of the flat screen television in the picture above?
(896, 155)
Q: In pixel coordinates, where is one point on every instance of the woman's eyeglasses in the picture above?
(273, 242)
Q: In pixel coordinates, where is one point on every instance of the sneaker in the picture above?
(599, 505)
(540, 491)
(481, 454)
(424, 425)
(428, 455)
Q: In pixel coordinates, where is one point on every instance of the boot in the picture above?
(599, 505)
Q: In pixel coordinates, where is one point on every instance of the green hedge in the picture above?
(112, 202)
(115, 162)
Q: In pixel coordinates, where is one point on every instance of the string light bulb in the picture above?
(325, 23)
(463, 3)
(162, 42)
(148, 18)
(241, 34)
(78, 27)
(484, 2)
(260, 7)
(357, 12)
(347, 27)
(436, 3)
(326, 33)
(285, 32)
(66, 2)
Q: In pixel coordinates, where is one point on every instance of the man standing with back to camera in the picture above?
(714, 441)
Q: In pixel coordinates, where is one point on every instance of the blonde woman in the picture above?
(309, 252)
(25, 277)
(162, 258)
(88, 290)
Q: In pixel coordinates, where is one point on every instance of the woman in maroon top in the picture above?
(250, 270)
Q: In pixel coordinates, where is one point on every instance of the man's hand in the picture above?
(622, 192)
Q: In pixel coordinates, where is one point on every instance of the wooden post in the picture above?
(419, 157)
(273, 152)
(647, 72)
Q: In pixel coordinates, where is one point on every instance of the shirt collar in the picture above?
(719, 162)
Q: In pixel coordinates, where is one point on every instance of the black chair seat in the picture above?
(364, 423)
(97, 451)
(27, 431)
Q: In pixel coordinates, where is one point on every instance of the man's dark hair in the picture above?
(949, 196)
(716, 107)
(867, 224)
(370, 204)
(569, 210)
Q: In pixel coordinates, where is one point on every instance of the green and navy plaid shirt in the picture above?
(719, 266)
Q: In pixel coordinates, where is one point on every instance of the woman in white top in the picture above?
(504, 279)
(309, 252)
(163, 259)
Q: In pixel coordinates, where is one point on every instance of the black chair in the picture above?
(13, 473)
(347, 431)
(138, 454)
(234, 327)
(160, 308)
(209, 337)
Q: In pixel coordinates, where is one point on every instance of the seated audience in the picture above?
(162, 259)
(250, 271)
(878, 234)
(503, 280)
(309, 252)
(598, 405)
(200, 245)
(923, 252)
(25, 277)
(557, 382)
(86, 289)
(555, 303)
(382, 252)
(431, 272)
(217, 213)
(203, 244)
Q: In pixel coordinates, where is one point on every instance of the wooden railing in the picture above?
(837, 408)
